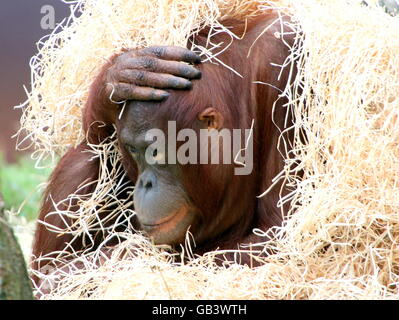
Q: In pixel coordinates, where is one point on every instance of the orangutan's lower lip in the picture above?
(165, 220)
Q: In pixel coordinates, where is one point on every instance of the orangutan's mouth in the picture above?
(168, 222)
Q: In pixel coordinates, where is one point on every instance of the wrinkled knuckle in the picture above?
(140, 76)
(159, 51)
(149, 64)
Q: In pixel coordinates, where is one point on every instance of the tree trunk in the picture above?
(14, 280)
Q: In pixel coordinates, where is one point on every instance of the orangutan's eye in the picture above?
(132, 150)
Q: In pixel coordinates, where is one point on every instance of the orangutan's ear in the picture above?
(211, 118)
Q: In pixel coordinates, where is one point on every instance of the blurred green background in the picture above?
(20, 186)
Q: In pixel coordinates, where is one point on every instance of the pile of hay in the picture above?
(341, 237)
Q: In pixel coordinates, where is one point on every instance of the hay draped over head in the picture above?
(341, 239)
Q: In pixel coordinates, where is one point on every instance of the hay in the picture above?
(341, 237)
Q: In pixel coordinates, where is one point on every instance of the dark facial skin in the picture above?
(163, 208)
